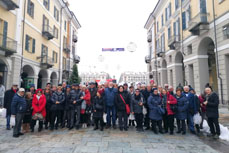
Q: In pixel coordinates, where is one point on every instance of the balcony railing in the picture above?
(9, 4)
(198, 23)
(74, 38)
(8, 45)
(76, 59)
(173, 40)
(147, 59)
(149, 38)
(160, 51)
(46, 61)
(48, 32)
(66, 48)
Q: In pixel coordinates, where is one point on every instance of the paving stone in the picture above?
(86, 149)
(119, 144)
(110, 150)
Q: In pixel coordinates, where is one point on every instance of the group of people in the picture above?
(79, 106)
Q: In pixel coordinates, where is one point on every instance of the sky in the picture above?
(112, 24)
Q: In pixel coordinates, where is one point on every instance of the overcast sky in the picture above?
(112, 24)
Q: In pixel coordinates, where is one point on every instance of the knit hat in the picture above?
(32, 85)
(38, 90)
(68, 86)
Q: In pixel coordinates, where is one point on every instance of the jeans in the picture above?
(8, 121)
(111, 109)
(190, 122)
(18, 122)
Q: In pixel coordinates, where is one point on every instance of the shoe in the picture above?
(108, 126)
(63, 126)
(51, 128)
(39, 129)
(101, 129)
(70, 128)
(179, 131)
(166, 131)
(210, 135)
(96, 128)
(15, 135)
(20, 133)
(216, 137)
(147, 128)
(193, 132)
(121, 129)
(133, 123)
(155, 132)
(183, 133)
(125, 129)
(171, 133)
(8, 128)
(46, 127)
(114, 127)
(161, 132)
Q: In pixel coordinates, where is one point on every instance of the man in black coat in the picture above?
(93, 90)
(212, 112)
(146, 95)
(9, 94)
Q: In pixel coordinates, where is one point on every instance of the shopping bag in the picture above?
(105, 118)
(12, 121)
(3, 112)
(131, 117)
(197, 118)
(144, 111)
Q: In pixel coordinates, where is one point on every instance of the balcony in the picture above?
(199, 24)
(66, 48)
(7, 45)
(147, 59)
(46, 62)
(9, 4)
(160, 52)
(74, 38)
(48, 32)
(76, 59)
(149, 38)
(67, 66)
(173, 41)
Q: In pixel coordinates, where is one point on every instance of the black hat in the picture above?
(59, 84)
(125, 84)
(92, 83)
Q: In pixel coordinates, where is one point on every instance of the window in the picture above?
(45, 21)
(184, 20)
(65, 25)
(65, 42)
(64, 63)
(54, 57)
(163, 43)
(55, 31)
(30, 8)
(30, 44)
(46, 3)
(169, 32)
(166, 14)
(157, 26)
(169, 10)
(56, 14)
(3, 32)
(226, 31)
(176, 4)
(189, 49)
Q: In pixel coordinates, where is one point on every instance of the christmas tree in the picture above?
(74, 78)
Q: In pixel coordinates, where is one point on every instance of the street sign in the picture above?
(113, 49)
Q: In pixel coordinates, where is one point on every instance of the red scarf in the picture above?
(14, 90)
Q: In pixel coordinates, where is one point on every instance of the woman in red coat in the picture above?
(170, 100)
(86, 106)
(39, 111)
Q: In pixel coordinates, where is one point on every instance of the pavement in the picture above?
(108, 141)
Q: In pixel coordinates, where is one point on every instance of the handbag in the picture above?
(127, 106)
(37, 116)
(174, 108)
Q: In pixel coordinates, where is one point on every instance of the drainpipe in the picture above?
(217, 55)
(23, 37)
(61, 44)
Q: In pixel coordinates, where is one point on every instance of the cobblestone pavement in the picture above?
(109, 141)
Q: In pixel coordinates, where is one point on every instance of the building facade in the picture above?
(190, 44)
(45, 36)
(92, 77)
(132, 77)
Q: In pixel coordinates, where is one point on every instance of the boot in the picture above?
(133, 123)
(23, 128)
(130, 122)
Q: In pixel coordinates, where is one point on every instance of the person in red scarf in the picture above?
(39, 111)
(86, 105)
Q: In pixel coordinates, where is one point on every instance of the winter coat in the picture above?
(191, 103)
(87, 97)
(93, 92)
(60, 97)
(172, 101)
(203, 106)
(146, 95)
(9, 94)
(154, 103)
(18, 104)
(110, 94)
(39, 105)
(212, 107)
(28, 107)
(99, 106)
(182, 108)
(86, 103)
(48, 101)
(67, 101)
(134, 105)
(120, 105)
(75, 96)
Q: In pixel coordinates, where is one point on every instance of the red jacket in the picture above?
(172, 100)
(39, 106)
(87, 97)
(202, 105)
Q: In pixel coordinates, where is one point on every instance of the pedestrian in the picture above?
(18, 108)
(76, 97)
(137, 104)
(85, 107)
(32, 89)
(2, 91)
(110, 94)
(99, 109)
(39, 111)
(9, 94)
(121, 100)
(191, 108)
(66, 108)
(93, 90)
(182, 110)
(212, 112)
(57, 99)
(170, 89)
(202, 99)
(54, 88)
(146, 95)
(154, 103)
(163, 96)
(28, 114)
(48, 106)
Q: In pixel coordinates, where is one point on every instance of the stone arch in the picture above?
(27, 76)
(54, 78)
(179, 69)
(42, 78)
